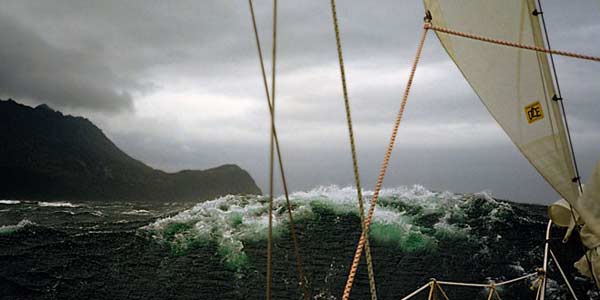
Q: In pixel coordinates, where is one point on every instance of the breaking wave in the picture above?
(9, 202)
(57, 204)
(410, 218)
(137, 212)
(7, 229)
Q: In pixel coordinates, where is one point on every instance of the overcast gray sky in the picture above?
(176, 84)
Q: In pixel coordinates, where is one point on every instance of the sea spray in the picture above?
(410, 218)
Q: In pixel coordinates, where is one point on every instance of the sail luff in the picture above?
(561, 133)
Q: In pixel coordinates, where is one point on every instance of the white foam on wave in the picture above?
(12, 228)
(137, 212)
(253, 209)
(230, 220)
(10, 202)
(345, 200)
(57, 204)
(97, 213)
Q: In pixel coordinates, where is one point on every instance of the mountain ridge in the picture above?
(46, 155)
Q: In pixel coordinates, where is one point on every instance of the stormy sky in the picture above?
(177, 85)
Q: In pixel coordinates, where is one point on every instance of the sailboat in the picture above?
(503, 51)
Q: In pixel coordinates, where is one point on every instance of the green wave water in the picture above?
(410, 218)
(8, 229)
(217, 249)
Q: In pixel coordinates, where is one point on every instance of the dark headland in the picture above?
(45, 155)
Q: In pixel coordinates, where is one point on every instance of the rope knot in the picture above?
(541, 272)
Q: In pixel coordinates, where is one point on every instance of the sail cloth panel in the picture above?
(514, 84)
(560, 214)
(589, 206)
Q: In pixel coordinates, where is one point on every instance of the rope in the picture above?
(490, 294)
(511, 44)
(431, 292)
(299, 264)
(442, 291)
(493, 294)
(465, 284)
(417, 291)
(486, 285)
(539, 289)
(544, 269)
(272, 113)
(361, 208)
(433, 284)
(384, 166)
(515, 279)
(497, 295)
(563, 275)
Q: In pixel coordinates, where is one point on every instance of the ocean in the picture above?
(217, 249)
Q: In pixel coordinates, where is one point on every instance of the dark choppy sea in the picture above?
(216, 249)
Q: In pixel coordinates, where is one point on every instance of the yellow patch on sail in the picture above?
(534, 112)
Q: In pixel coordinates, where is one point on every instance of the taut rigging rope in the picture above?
(510, 44)
(560, 269)
(299, 267)
(361, 208)
(384, 166)
(272, 112)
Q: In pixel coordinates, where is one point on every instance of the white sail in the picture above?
(561, 214)
(514, 84)
(588, 204)
(589, 207)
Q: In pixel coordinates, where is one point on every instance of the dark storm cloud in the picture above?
(211, 42)
(141, 35)
(35, 70)
(184, 75)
